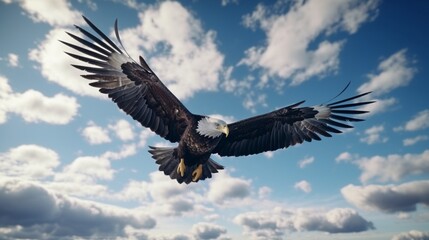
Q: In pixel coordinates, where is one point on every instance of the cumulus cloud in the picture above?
(299, 27)
(54, 64)
(54, 214)
(159, 196)
(53, 12)
(95, 134)
(205, 230)
(411, 235)
(393, 167)
(305, 162)
(373, 135)
(414, 140)
(29, 162)
(224, 188)
(123, 130)
(303, 186)
(178, 49)
(35, 107)
(388, 198)
(274, 223)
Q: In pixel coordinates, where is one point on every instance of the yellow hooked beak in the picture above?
(225, 130)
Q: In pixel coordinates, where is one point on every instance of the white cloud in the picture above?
(344, 157)
(145, 134)
(288, 53)
(393, 167)
(251, 101)
(393, 72)
(205, 230)
(226, 2)
(224, 188)
(53, 12)
(55, 214)
(373, 135)
(126, 151)
(83, 171)
(13, 60)
(411, 235)
(379, 106)
(414, 140)
(273, 224)
(29, 162)
(55, 66)
(95, 134)
(303, 186)
(388, 198)
(123, 130)
(35, 107)
(264, 192)
(161, 196)
(419, 122)
(305, 162)
(268, 154)
(178, 49)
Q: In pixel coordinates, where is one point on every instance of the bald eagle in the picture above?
(136, 89)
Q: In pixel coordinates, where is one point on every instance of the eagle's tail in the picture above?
(168, 163)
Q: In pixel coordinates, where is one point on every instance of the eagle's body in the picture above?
(139, 92)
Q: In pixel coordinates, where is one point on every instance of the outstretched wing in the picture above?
(133, 87)
(288, 126)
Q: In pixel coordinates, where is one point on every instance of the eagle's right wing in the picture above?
(133, 87)
(288, 126)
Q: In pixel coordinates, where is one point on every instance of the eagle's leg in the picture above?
(181, 168)
(196, 174)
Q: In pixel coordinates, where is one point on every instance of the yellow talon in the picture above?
(196, 174)
(181, 168)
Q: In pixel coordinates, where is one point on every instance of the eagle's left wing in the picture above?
(133, 87)
(287, 126)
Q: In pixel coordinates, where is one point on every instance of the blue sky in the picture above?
(72, 165)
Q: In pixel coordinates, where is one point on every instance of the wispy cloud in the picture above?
(13, 60)
(411, 235)
(305, 162)
(414, 140)
(419, 122)
(303, 186)
(373, 135)
(393, 72)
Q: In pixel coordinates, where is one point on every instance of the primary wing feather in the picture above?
(132, 86)
(288, 126)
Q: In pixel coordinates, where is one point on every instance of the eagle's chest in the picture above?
(200, 145)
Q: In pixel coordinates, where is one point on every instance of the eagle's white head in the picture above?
(212, 127)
